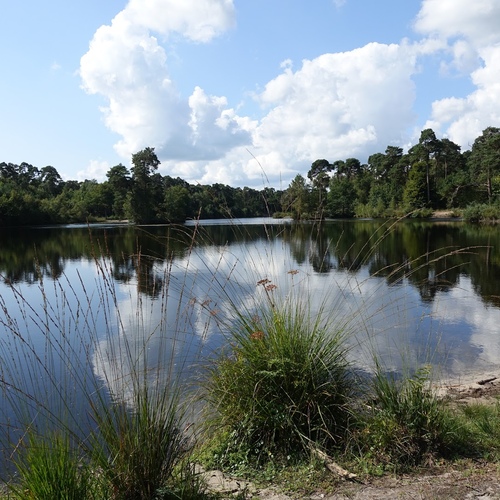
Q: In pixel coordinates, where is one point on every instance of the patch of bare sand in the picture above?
(443, 214)
(479, 387)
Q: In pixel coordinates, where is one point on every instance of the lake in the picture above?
(81, 308)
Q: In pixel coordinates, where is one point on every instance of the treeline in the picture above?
(434, 174)
(29, 195)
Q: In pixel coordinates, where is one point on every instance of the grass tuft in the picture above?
(283, 384)
(483, 424)
(138, 450)
(50, 468)
(407, 422)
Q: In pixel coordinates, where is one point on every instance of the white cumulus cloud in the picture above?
(339, 105)
(471, 30)
(127, 64)
(198, 20)
(476, 22)
(334, 106)
(96, 170)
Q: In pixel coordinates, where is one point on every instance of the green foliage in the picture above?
(477, 212)
(297, 199)
(415, 192)
(421, 213)
(17, 207)
(484, 162)
(176, 204)
(283, 385)
(407, 422)
(318, 175)
(118, 183)
(143, 204)
(50, 468)
(29, 196)
(341, 198)
(482, 421)
(433, 174)
(137, 449)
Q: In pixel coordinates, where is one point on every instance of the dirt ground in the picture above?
(480, 482)
(475, 480)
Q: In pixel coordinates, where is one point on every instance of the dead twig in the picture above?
(333, 466)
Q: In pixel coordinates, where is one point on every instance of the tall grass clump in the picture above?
(138, 449)
(282, 385)
(407, 422)
(93, 387)
(50, 467)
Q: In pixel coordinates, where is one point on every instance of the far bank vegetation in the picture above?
(434, 174)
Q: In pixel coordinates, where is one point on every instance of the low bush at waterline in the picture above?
(404, 423)
(283, 385)
(481, 213)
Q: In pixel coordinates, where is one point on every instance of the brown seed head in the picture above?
(257, 335)
(263, 282)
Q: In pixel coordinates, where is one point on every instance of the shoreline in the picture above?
(473, 387)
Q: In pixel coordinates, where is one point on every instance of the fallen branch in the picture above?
(332, 466)
(486, 380)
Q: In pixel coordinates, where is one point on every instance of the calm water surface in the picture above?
(72, 297)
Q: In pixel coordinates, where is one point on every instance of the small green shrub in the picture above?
(421, 213)
(49, 468)
(483, 423)
(473, 213)
(283, 384)
(477, 212)
(282, 215)
(407, 422)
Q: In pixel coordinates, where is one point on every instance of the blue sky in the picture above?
(237, 91)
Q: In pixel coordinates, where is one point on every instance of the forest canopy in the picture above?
(433, 174)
